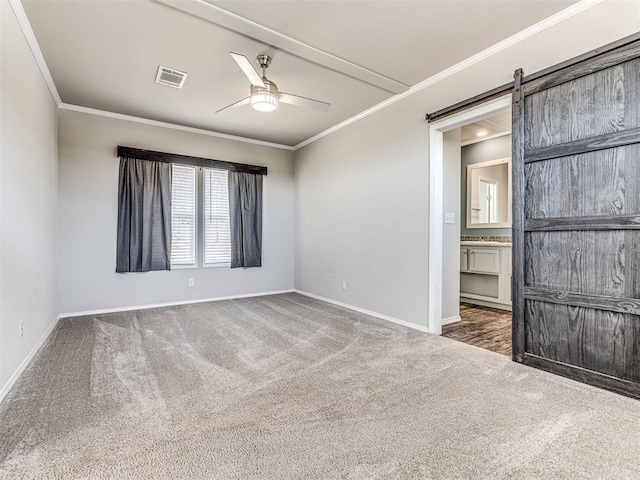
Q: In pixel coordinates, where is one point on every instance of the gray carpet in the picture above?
(285, 387)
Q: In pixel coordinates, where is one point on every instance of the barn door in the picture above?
(576, 220)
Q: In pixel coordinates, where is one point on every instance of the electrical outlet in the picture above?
(192, 282)
(20, 329)
(344, 284)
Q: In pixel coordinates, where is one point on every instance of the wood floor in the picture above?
(483, 327)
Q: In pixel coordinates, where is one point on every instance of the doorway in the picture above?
(439, 253)
(576, 216)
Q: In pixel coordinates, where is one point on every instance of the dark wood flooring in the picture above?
(483, 327)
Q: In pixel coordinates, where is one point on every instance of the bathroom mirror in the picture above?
(489, 194)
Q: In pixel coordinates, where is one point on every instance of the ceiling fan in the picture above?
(264, 95)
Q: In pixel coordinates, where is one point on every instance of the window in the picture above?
(217, 233)
(183, 216)
(211, 223)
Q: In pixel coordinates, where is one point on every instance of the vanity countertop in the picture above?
(479, 243)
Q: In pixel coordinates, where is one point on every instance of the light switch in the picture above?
(449, 217)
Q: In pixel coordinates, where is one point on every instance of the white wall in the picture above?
(88, 217)
(28, 201)
(451, 231)
(362, 192)
(361, 215)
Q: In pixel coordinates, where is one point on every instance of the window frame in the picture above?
(199, 232)
(186, 266)
(203, 223)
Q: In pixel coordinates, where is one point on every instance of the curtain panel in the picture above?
(245, 209)
(144, 216)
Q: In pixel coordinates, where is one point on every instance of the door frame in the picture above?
(436, 196)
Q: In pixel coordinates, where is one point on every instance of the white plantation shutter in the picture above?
(183, 215)
(217, 233)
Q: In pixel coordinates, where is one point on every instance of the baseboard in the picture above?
(366, 312)
(484, 303)
(450, 320)
(14, 378)
(171, 304)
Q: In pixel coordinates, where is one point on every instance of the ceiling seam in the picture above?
(291, 45)
(30, 37)
(528, 32)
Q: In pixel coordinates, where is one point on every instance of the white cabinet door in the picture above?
(464, 255)
(484, 260)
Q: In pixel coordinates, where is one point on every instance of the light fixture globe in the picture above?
(264, 99)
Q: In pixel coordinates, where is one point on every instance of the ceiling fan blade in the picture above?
(304, 102)
(239, 103)
(244, 63)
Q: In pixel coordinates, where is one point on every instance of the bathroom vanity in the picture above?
(485, 273)
(485, 266)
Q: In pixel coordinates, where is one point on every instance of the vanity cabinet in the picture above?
(483, 260)
(485, 275)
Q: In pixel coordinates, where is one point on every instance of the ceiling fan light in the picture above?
(264, 101)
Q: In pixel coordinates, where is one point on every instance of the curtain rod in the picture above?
(140, 154)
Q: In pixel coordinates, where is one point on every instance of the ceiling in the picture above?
(487, 128)
(104, 54)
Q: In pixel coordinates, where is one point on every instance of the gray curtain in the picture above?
(144, 216)
(245, 210)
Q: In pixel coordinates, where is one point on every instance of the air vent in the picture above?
(170, 77)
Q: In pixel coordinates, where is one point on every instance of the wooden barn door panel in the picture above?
(588, 338)
(576, 239)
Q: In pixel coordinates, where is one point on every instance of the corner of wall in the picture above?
(28, 200)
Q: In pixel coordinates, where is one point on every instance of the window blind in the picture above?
(217, 233)
(183, 215)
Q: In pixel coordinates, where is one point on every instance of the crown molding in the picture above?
(528, 32)
(267, 36)
(173, 126)
(23, 21)
(549, 22)
(30, 37)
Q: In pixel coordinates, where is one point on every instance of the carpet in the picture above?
(288, 387)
